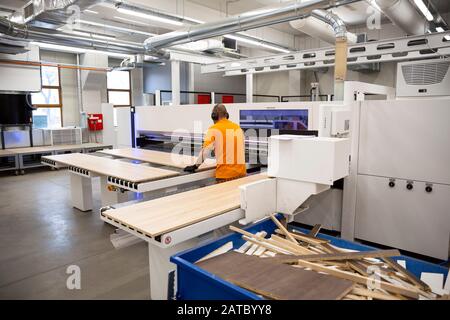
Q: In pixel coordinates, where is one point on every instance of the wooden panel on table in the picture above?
(165, 214)
(276, 281)
(109, 167)
(161, 158)
(61, 147)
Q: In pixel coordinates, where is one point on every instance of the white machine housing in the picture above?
(425, 78)
(298, 167)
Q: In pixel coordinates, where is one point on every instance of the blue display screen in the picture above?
(40, 121)
(281, 119)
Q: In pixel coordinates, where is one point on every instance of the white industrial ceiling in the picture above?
(353, 15)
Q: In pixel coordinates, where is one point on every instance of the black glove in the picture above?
(191, 169)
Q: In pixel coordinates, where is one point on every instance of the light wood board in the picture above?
(55, 148)
(166, 214)
(161, 158)
(7, 152)
(114, 168)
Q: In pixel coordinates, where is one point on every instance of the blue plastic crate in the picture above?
(195, 283)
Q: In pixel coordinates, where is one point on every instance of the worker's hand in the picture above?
(191, 169)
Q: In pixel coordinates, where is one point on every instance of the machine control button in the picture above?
(391, 183)
(409, 185)
(429, 188)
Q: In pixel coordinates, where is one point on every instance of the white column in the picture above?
(81, 188)
(294, 83)
(160, 267)
(157, 97)
(175, 82)
(191, 83)
(249, 87)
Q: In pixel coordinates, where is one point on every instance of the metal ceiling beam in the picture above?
(415, 47)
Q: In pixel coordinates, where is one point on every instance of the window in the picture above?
(119, 90)
(48, 102)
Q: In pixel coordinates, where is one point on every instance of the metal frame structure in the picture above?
(178, 236)
(414, 47)
(118, 195)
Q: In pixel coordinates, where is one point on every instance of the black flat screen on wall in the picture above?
(14, 109)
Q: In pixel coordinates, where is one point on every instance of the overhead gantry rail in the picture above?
(407, 48)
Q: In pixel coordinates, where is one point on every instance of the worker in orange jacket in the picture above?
(227, 140)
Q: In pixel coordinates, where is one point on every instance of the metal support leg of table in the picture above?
(111, 197)
(81, 188)
(161, 267)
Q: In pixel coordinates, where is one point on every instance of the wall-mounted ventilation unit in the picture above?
(423, 78)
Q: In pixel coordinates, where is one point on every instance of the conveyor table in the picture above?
(176, 222)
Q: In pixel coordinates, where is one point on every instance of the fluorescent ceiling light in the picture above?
(107, 26)
(90, 11)
(423, 8)
(93, 35)
(56, 47)
(130, 21)
(149, 17)
(256, 43)
(440, 29)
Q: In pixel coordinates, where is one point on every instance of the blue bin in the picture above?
(195, 283)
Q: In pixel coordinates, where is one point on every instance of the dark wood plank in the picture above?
(275, 280)
(315, 230)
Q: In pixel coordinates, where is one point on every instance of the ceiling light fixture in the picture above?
(130, 21)
(57, 47)
(149, 17)
(423, 8)
(108, 26)
(256, 43)
(93, 35)
(440, 29)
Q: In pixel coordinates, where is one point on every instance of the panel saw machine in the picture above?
(298, 167)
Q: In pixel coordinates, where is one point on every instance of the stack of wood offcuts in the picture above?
(289, 265)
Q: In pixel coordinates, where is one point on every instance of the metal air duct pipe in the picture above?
(403, 14)
(320, 30)
(19, 32)
(250, 20)
(340, 66)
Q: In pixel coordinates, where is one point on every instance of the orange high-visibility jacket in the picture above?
(229, 148)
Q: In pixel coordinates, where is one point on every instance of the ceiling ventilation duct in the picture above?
(263, 17)
(14, 31)
(319, 29)
(340, 57)
(404, 15)
(53, 13)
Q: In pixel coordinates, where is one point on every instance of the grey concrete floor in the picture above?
(41, 234)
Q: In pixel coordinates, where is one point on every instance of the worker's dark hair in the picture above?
(219, 111)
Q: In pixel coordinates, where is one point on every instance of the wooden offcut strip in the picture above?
(305, 238)
(355, 265)
(283, 229)
(374, 294)
(266, 245)
(411, 277)
(360, 279)
(345, 256)
(315, 230)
